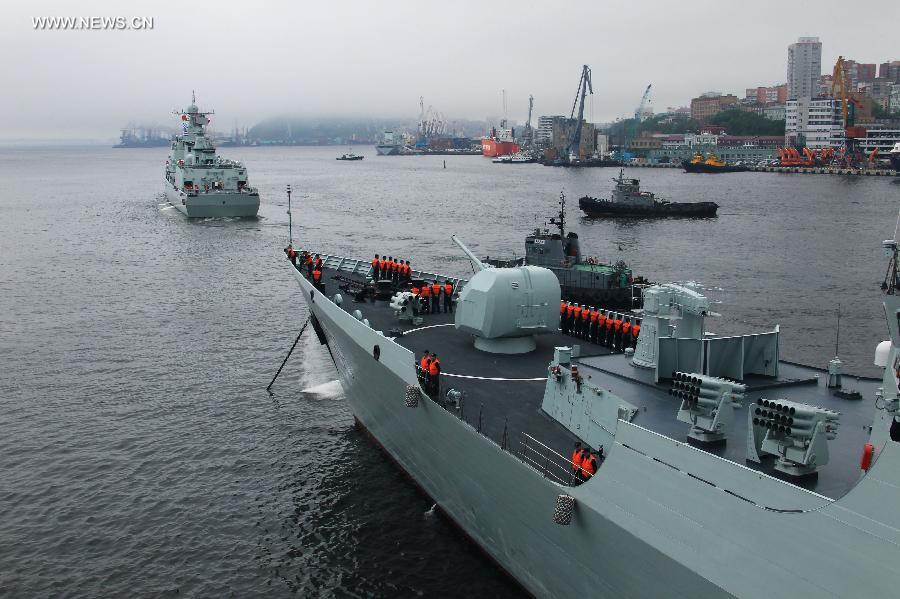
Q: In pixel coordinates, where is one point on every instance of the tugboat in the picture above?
(200, 183)
(350, 155)
(628, 200)
(584, 280)
(712, 164)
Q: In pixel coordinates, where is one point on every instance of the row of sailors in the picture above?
(387, 268)
(602, 327)
(313, 264)
(430, 297)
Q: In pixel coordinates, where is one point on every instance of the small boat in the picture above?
(350, 155)
(712, 164)
(517, 158)
(628, 200)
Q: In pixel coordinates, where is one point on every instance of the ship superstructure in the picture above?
(725, 471)
(199, 182)
(392, 144)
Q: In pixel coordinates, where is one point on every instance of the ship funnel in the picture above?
(476, 263)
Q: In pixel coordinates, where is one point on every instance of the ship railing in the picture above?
(545, 460)
(359, 267)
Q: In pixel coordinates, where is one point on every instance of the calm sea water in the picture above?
(139, 451)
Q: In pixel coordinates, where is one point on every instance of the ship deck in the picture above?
(503, 393)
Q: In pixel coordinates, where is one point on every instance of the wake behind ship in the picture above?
(200, 183)
(723, 469)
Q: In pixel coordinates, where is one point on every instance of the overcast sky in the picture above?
(252, 59)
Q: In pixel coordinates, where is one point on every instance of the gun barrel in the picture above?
(478, 264)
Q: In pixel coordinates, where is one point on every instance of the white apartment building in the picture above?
(814, 123)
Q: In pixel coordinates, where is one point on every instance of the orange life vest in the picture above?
(577, 457)
(317, 274)
(577, 312)
(424, 363)
(635, 329)
(318, 263)
(308, 260)
(562, 307)
(589, 466)
(609, 322)
(618, 325)
(601, 319)
(415, 290)
(394, 266)
(374, 262)
(426, 291)
(594, 315)
(434, 367)
(448, 289)
(570, 309)
(381, 264)
(585, 314)
(435, 289)
(406, 269)
(626, 328)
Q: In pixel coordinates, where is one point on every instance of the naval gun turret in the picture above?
(504, 308)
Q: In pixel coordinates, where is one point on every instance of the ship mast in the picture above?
(560, 220)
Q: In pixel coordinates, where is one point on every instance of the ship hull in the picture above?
(502, 505)
(493, 148)
(213, 204)
(709, 168)
(660, 519)
(603, 208)
(387, 149)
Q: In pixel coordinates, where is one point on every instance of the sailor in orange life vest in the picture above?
(291, 253)
(635, 332)
(317, 279)
(601, 328)
(376, 270)
(588, 465)
(318, 261)
(570, 313)
(577, 457)
(434, 375)
(425, 295)
(562, 316)
(585, 322)
(309, 266)
(576, 323)
(448, 297)
(435, 298)
(408, 272)
(423, 368)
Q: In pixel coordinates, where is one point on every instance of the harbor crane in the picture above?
(645, 99)
(850, 154)
(528, 133)
(584, 87)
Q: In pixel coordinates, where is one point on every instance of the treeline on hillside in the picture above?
(735, 122)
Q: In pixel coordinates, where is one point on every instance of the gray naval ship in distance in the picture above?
(628, 200)
(583, 279)
(200, 183)
(727, 471)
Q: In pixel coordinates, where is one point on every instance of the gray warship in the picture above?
(584, 279)
(725, 471)
(200, 183)
(628, 200)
